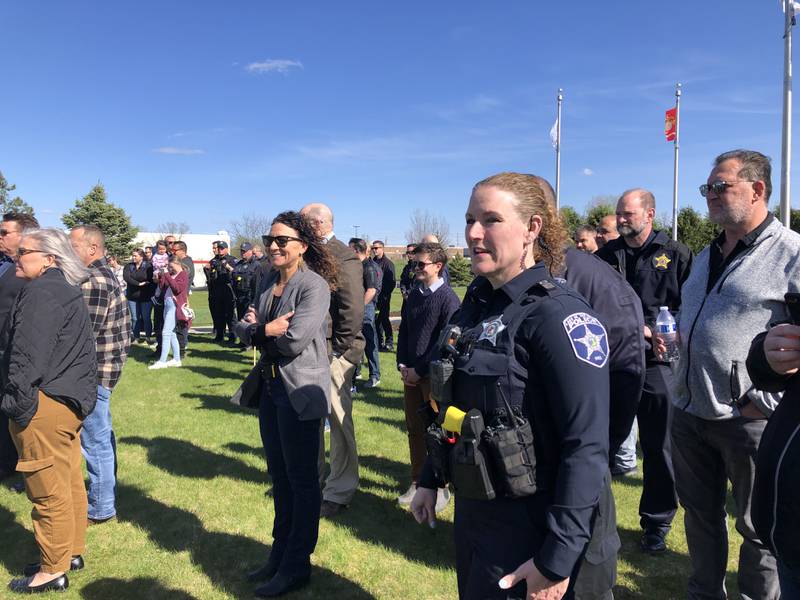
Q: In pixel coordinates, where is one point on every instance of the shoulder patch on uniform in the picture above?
(588, 338)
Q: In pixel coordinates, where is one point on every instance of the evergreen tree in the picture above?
(460, 270)
(695, 230)
(15, 204)
(597, 212)
(95, 209)
(572, 220)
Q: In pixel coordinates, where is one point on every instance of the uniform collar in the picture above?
(482, 290)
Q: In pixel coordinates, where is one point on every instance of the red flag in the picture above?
(671, 124)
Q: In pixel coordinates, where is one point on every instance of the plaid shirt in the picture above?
(111, 322)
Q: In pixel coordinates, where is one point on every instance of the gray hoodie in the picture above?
(716, 329)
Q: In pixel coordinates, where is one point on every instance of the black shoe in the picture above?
(23, 586)
(280, 585)
(76, 564)
(330, 509)
(219, 339)
(653, 543)
(17, 487)
(263, 573)
(90, 522)
(632, 472)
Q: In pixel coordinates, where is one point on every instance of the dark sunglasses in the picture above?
(719, 186)
(420, 264)
(23, 251)
(376, 247)
(281, 240)
(5, 232)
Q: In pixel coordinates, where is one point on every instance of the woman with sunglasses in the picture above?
(288, 325)
(528, 407)
(47, 373)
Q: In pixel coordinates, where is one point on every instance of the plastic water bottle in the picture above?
(667, 332)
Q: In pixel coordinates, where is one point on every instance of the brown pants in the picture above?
(50, 461)
(414, 399)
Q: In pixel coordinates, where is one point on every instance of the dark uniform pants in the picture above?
(383, 325)
(242, 304)
(222, 313)
(659, 501)
(495, 537)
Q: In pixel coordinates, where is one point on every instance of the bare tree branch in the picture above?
(249, 228)
(424, 223)
(172, 228)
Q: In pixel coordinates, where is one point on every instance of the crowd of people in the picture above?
(522, 400)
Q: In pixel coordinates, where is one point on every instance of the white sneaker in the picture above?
(405, 499)
(442, 499)
(158, 365)
(173, 363)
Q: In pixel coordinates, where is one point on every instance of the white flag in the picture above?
(795, 7)
(554, 134)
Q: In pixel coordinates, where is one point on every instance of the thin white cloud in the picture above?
(178, 151)
(273, 65)
(588, 172)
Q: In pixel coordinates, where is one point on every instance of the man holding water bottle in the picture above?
(656, 267)
(735, 291)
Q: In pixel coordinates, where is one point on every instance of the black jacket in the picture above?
(661, 270)
(389, 281)
(133, 276)
(10, 286)
(776, 490)
(48, 345)
(618, 307)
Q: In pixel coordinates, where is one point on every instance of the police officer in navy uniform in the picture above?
(221, 295)
(528, 344)
(656, 267)
(243, 274)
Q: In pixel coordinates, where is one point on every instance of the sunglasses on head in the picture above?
(280, 240)
(719, 186)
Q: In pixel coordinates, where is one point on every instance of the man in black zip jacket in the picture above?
(11, 230)
(773, 364)
(656, 267)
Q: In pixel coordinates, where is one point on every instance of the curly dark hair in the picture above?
(317, 256)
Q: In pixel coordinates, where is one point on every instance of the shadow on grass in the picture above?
(240, 448)
(223, 557)
(380, 399)
(184, 459)
(215, 372)
(382, 522)
(396, 423)
(18, 547)
(218, 402)
(141, 587)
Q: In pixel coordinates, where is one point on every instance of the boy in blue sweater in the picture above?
(426, 311)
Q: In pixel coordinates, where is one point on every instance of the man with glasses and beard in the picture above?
(11, 229)
(735, 291)
(656, 267)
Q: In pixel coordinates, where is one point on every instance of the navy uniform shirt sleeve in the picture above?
(576, 393)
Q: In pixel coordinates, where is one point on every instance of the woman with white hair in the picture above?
(47, 378)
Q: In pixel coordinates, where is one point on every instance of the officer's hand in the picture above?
(228, 266)
(423, 506)
(539, 586)
(411, 376)
(279, 326)
(782, 348)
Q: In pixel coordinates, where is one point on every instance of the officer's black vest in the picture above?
(487, 368)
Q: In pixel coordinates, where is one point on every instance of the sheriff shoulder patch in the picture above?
(588, 338)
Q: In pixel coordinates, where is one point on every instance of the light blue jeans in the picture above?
(625, 459)
(100, 451)
(168, 336)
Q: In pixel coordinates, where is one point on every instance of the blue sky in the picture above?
(203, 111)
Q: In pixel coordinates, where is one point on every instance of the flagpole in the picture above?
(558, 149)
(786, 135)
(675, 170)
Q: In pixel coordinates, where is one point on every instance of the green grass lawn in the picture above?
(193, 516)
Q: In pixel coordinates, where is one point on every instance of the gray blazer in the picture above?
(303, 363)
